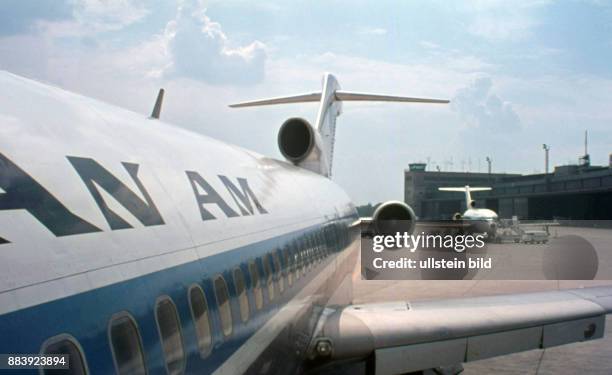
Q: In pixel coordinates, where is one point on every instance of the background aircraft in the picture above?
(482, 219)
(138, 247)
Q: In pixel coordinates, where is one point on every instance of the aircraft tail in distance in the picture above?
(469, 202)
(330, 100)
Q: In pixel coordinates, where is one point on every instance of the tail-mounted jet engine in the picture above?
(392, 217)
(299, 142)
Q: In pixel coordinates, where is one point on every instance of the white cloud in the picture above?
(483, 109)
(200, 50)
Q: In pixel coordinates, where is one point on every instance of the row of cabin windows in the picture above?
(124, 334)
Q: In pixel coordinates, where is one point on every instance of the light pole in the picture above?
(546, 148)
(488, 159)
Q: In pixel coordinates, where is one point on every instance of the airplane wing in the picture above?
(404, 337)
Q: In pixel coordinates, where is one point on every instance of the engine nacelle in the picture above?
(457, 216)
(392, 217)
(296, 139)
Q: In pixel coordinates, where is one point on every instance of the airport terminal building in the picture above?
(570, 192)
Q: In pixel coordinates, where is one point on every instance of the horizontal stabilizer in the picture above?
(463, 189)
(302, 98)
(355, 96)
(468, 190)
(345, 96)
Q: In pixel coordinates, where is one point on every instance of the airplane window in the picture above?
(288, 265)
(170, 335)
(126, 345)
(256, 285)
(243, 300)
(223, 304)
(201, 318)
(304, 256)
(268, 270)
(328, 240)
(336, 238)
(315, 240)
(65, 345)
(297, 264)
(324, 244)
(309, 253)
(279, 272)
(321, 244)
(313, 253)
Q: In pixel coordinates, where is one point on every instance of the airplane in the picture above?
(483, 220)
(137, 247)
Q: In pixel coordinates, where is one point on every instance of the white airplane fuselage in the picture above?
(106, 214)
(482, 220)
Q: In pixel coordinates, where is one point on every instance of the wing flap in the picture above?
(406, 337)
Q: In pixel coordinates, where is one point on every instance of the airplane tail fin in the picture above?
(330, 107)
(469, 202)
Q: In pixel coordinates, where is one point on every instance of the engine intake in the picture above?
(392, 217)
(296, 139)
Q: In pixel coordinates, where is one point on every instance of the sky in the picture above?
(518, 74)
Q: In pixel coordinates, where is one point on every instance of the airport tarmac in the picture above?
(593, 357)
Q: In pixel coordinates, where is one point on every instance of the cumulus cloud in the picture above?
(191, 46)
(483, 109)
(200, 50)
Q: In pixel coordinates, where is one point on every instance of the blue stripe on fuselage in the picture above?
(86, 315)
